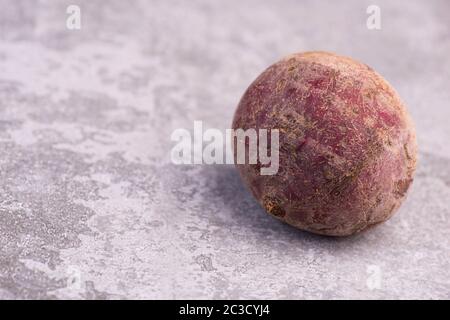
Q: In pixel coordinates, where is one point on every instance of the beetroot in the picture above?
(347, 146)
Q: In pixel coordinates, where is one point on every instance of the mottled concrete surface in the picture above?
(91, 206)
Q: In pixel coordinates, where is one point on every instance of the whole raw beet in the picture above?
(347, 144)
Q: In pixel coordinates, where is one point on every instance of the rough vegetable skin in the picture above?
(347, 144)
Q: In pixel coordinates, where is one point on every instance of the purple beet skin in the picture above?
(347, 144)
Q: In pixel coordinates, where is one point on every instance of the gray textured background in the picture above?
(90, 204)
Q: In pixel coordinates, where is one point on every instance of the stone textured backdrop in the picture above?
(91, 206)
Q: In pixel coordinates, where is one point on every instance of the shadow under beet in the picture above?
(226, 186)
